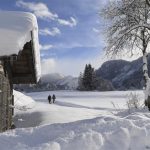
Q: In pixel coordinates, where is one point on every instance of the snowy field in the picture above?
(77, 121)
(70, 106)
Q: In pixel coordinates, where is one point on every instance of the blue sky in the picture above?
(69, 32)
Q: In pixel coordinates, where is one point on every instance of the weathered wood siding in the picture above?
(23, 68)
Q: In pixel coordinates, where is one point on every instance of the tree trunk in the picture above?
(146, 79)
(145, 71)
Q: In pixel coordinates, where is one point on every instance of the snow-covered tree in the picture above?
(129, 31)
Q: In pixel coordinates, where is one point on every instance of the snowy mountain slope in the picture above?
(123, 74)
(69, 82)
(54, 77)
(53, 81)
(60, 82)
(103, 131)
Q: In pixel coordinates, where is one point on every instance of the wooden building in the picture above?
(19, 67)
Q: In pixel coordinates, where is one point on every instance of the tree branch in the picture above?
(148, 2)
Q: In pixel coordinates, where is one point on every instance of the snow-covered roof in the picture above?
(15, 31)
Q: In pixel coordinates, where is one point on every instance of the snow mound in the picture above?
(102, 133)
(22, 102)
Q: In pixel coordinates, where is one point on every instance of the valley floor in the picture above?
(77, 121)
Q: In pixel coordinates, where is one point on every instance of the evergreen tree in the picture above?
(87, 78)
(80, 82)
(88, 81)
(94, 80)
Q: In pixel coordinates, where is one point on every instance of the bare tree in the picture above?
(129, 32)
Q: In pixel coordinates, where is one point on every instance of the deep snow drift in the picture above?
(97, 124)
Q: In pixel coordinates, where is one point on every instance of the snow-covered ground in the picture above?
(77, 121)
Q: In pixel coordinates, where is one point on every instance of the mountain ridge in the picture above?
(124, 75)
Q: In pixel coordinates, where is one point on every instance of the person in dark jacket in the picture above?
(54, 98)
(49, 98)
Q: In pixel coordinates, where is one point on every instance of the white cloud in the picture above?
(48, 65)
(39, 9)
(42, 11)
(72, 22)
(52, 32)
(70, 66)
(46, 47)
(96, 30)
(65, 46)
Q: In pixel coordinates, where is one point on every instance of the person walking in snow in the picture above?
(49, 98)
(54, 98)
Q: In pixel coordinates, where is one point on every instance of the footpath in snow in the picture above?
(76, 123)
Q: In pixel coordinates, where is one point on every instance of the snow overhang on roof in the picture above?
(15, 32)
